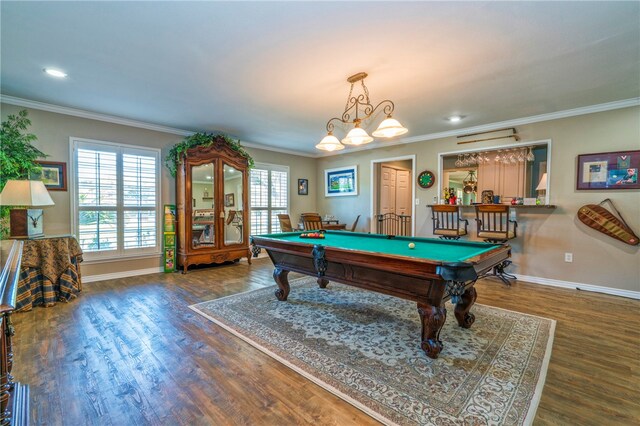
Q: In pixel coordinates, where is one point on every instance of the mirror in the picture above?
(499, 174)
(203, 213)
(233, 212)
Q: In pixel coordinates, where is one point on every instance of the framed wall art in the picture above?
(53, 174)
(229, 200)
(303, 186)
(341, 181)
(609, 170)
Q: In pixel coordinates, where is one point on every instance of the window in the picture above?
(269, 197)
(116, 196)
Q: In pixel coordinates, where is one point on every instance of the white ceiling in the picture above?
(273, 73)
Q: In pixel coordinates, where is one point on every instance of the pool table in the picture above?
(430, 273)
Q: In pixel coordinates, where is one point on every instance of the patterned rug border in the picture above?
(533, 406)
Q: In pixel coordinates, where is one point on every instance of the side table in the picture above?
(50, 272)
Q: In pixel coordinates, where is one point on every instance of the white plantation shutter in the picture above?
(140, 199)
(96, 200)
(269, 197)
(117, 198)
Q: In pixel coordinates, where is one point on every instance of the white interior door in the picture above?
(387, 190)
(403, 192)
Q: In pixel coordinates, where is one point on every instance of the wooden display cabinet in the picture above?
(210, 230)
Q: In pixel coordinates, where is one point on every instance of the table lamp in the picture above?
(25, 222)
(542, 189)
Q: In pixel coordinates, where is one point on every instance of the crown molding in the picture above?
(246, 144)
(498, 125)
(12, 100)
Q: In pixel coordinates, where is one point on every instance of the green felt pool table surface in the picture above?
(425, 248)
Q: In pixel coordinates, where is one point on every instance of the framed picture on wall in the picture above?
(229, 200)
(53, 174)
(609, 170)
(303, 186)
(341, 181)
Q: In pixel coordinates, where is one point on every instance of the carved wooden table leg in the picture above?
(464, 317)
(432, 318)
(280, 276)
(322, 282)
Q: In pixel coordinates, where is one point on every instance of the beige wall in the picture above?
(299, 168)
(544, 236)
(54, 130)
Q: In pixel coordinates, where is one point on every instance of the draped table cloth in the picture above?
(50, 272)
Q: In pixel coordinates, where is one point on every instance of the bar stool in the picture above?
(447, 222)
(494, 226)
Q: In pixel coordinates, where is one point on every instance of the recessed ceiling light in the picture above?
(55, 73)
(455, 118)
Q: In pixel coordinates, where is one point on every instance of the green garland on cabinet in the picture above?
(201, 139)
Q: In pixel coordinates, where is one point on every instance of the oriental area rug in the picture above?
(364, 347)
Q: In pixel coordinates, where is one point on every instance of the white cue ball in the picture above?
(412, 245)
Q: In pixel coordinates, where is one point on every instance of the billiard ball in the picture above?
(412, 245)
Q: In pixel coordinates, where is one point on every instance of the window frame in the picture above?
(270, 167)
(120, 149)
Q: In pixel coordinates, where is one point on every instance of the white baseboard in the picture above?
(124, 274)
(535, 280)
(579, 286)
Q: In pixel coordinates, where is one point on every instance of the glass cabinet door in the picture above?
(203, 221)
(233, 208)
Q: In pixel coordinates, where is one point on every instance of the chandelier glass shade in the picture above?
(330, 143)
(357, 109)
(357, 136)
(389, 128)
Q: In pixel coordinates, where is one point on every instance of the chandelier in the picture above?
(355, 106)
(470, 183)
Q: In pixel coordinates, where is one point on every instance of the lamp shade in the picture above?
(27, 193)
(389, 128)
(542, 186)
(330, 143)
(357, 136)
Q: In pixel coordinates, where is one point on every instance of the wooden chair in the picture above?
(355, 223)
(494, 226)
(312, 221)
(447, 222)
(285, 223)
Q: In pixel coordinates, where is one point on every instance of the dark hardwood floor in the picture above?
(129, 351)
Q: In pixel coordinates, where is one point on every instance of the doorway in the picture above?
(392, 189)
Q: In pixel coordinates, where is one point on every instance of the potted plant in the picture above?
(17, 156)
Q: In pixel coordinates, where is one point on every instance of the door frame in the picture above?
(374, 189)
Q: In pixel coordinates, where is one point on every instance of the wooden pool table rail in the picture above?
(426, 282)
